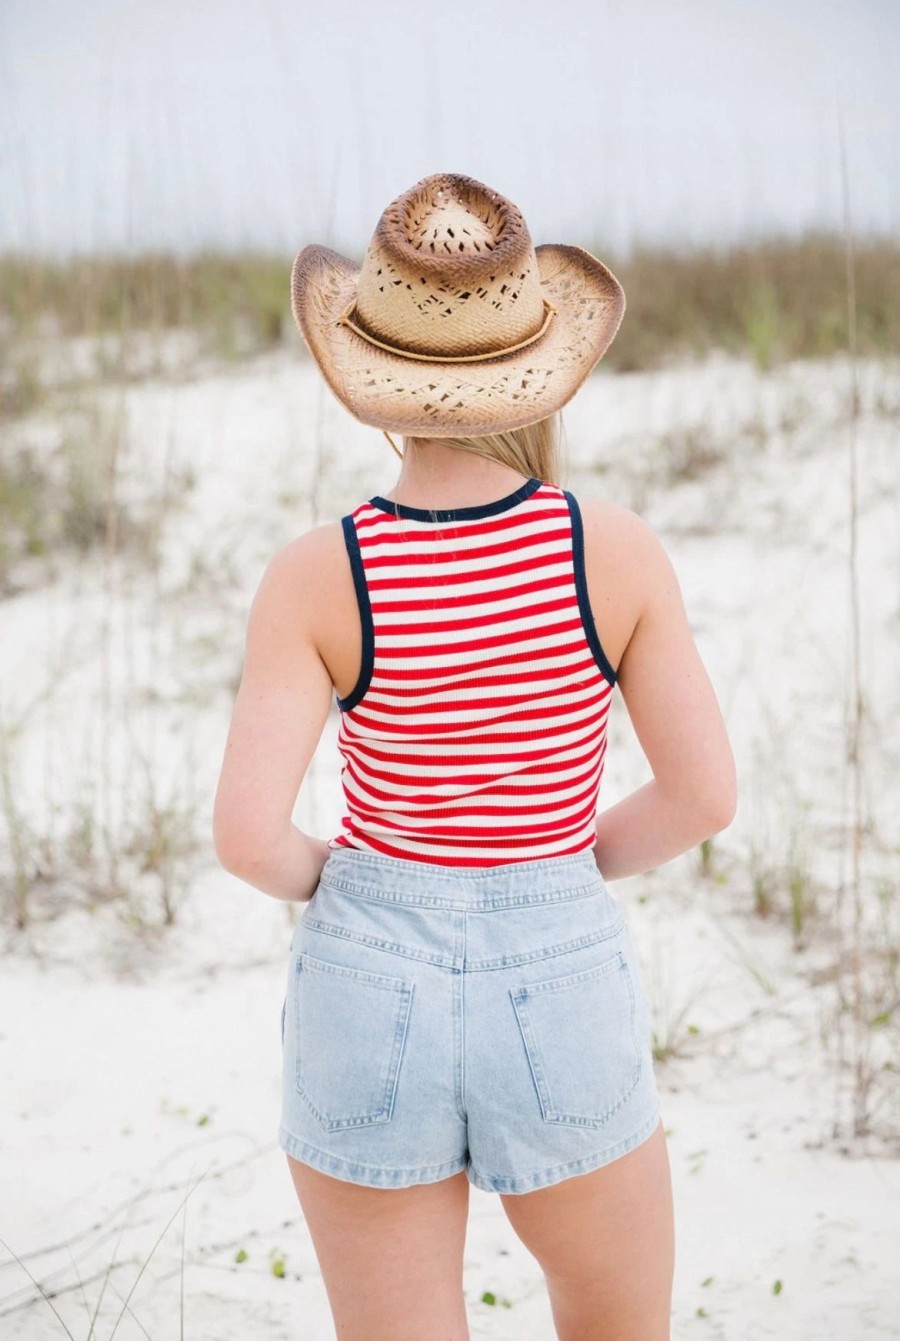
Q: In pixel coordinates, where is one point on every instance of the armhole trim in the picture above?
(351, 540)
(584, 605)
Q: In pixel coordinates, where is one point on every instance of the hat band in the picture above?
(345, 320)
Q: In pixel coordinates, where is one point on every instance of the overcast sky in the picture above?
(181, 123)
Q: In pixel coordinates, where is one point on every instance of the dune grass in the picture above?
(775, 300)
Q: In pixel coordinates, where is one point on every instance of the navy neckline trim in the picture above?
(457, 514)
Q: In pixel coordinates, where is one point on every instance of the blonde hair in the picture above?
(534, 450)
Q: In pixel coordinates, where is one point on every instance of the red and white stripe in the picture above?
(481, 736)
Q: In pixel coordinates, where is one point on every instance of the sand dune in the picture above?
(137, 1058)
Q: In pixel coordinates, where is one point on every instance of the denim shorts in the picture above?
(438, 1018)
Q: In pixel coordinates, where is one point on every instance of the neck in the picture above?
(435, 475)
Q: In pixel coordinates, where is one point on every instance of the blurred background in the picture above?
(155, 133)
(130, 125)
(163, 432)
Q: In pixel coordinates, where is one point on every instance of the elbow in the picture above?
(243, 849)
(721, 808)
(229, 864)
(233, 849)
(242, 861)
(711, 798)
(720, 817)
(228, 854)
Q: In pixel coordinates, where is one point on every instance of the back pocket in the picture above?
(582, 1042)
(350, 1031)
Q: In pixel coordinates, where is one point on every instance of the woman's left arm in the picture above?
(279, 715)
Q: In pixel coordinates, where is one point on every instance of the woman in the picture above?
(463, 998)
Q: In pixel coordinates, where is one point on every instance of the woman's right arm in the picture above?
(676, 715)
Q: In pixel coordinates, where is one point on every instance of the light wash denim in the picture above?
(440, 1018)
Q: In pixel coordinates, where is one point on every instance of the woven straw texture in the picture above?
(451, 274)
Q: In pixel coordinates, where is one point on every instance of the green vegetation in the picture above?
(95, 295)
(62, 499)
(774, 300)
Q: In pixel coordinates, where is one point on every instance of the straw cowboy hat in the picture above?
(454, 324)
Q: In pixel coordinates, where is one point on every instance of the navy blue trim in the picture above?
(351, 540)
(587, 615)
(457, 514)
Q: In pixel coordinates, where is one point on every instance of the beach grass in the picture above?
(773, 300)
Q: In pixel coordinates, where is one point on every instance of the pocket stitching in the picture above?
(617, 962)
(384, 980)
(363, 891)
(505, 962)
(608, 966)
(403, 990)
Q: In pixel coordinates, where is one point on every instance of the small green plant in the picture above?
(163, 841)
(697, 1157)
(763, 882)
(802, 899)
(21, 516)
(88, 464)
(763, 886)
(63, 500)
(488, 1297)
(670, 1029)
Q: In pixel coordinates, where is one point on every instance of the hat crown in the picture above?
(450, 271)
(451, 228)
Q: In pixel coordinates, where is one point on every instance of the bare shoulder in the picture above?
(297, 574)
(623, 550)
(311, 548)
(617, 524)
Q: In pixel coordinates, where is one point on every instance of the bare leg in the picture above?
(606, 1244)
(391, 1258)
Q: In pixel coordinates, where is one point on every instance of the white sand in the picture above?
(115, 1044)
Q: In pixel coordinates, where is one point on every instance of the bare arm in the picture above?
(675, 713)
(279, 715)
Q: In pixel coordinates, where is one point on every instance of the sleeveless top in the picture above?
(476, 732)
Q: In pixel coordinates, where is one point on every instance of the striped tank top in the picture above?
(476, 732)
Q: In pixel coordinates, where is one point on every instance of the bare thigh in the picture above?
(391, 1258)
(606, 1244)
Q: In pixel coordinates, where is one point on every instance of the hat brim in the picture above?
(435, 400)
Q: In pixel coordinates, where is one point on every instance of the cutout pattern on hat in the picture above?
(414, 291)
